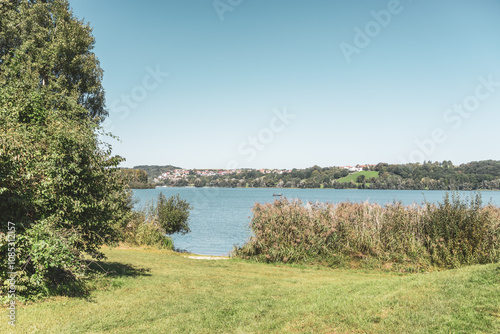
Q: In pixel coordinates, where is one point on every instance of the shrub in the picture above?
(150, 234)
(150, 226)
(140, 231)
(172, 214)
(61, 190)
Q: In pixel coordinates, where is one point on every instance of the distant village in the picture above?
(178, 174)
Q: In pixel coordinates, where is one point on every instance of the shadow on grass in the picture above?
(116, 269)
(100, 275)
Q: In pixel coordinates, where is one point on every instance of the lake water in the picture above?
(220, 217)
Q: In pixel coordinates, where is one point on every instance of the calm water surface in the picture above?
(221, 216)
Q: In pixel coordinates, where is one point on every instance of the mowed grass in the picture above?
(353, 176)
(168, 293)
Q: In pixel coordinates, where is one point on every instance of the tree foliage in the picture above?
(59, 184)
(44, 48)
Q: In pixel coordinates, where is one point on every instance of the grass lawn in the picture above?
(163, 292)
(352, 177)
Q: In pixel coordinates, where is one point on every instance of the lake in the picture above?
(220, 217)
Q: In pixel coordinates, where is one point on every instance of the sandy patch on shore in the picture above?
(207, 257)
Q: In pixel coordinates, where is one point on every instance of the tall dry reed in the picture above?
(448, 234)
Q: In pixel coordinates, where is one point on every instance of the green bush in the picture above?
(150, 234)
(172, 214)
(150, 226)
(140, 231)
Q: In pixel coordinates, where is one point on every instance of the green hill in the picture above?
(353, 177)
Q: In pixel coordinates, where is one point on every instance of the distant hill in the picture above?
(154, 170)
(486, 167)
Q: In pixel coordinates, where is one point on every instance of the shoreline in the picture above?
(294, 188)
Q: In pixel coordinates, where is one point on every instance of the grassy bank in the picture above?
(163, 292)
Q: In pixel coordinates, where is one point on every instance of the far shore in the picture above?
(295, 188)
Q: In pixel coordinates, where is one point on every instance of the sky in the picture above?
(292, 84)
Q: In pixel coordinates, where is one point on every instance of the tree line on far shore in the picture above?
(413, 176)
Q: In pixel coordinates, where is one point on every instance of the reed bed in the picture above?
(449, 234)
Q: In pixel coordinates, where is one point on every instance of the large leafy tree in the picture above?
(59, 184)
(45, 45)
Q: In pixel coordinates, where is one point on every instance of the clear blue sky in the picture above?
(362, 87)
